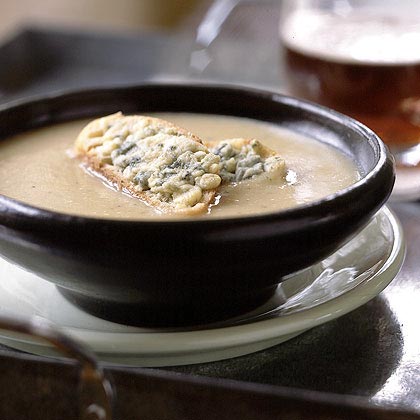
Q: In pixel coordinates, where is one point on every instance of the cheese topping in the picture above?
(157, 158)
(242, 159)
(164, 164)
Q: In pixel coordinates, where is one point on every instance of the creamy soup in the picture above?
(38, 168)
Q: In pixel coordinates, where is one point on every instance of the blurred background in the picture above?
(110, 15)
(51, 45)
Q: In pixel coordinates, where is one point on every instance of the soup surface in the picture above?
(38, 168)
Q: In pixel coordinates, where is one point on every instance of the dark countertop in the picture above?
(372, 352)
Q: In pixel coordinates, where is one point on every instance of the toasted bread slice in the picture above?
(161, 164)
(246, 158)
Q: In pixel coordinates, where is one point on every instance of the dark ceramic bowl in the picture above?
(188, 272)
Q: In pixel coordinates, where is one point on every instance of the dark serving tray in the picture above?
(49, 390)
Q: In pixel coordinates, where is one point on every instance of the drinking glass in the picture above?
(362, 58)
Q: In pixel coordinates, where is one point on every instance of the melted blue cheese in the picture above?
(159, 159)
(243, 159)
(170, 165)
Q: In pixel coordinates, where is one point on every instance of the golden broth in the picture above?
(37, 168)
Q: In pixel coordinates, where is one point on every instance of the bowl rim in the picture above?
(24, 210)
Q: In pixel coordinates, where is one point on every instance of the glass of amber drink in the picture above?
(362, 58)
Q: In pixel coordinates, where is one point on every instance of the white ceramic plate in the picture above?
(342, 282)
